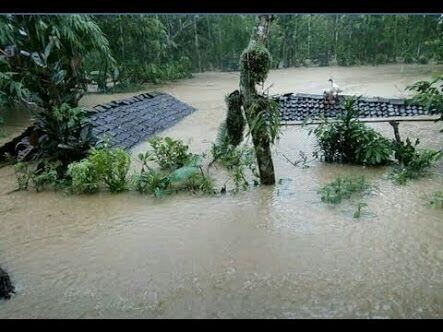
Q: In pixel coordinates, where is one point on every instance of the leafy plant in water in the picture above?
(43, 177)
(23, 175)
(349, 141)
(416, 167)
(66, 135)
(112, 165)
(40, 177)
(343, 188)
(436, 200)
(85, 178)
(357, 212)
(103, 164)
(236, 159)
(169, 153)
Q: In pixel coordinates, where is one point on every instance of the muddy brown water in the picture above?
(273, 252)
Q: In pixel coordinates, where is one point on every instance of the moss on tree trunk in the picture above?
(255, 64)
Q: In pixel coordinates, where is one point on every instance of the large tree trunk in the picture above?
(197, 46)
(260, 139)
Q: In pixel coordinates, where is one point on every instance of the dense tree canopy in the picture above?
(154, 48)
(151, 48)
(44, 54)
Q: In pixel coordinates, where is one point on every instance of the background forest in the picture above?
(161, 47)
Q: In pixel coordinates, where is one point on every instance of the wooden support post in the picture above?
(394, 125)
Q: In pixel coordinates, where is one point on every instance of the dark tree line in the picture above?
(155, 47)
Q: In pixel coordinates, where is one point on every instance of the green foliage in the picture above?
(404, 153)
(179, 170)
(357, 212)
(66, 135)
(235, 122)
(255, 61)
(349, 141)
(429, 94)
(12, 89)
(169, 153)
(199, 182)
(436, 200)
(44, 175)
(49, 53)
(266, 117)
(343, 188)
(23, 175)
(414, 165)
(112, 165)
(85, 178)
(236, 159)
(151, 181)
(106, 165)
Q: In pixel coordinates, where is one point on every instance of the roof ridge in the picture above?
(125, 101)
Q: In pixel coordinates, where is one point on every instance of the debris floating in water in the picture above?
(6, 288)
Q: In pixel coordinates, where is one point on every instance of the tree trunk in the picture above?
(196, 42)
(260, 139)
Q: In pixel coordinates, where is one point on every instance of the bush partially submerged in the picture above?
(66, 135)
(343, 188)
(169, 153)
(179, 170)
(437, 200)
(37, 177)
(349, 141)
(414, 163)
(102, 165)
(237, 160)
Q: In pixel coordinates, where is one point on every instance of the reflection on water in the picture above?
(269, 252)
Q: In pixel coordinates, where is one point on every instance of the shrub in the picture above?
(66, 135)
(437, 200)
(112, 165)
(343, 188)
(161, 183)
(199, 182)
(416, 167)
(169, 153)
(23, 175)
(236, 159)
(349, 141)
(151, 181)
(179, 170)
(43, 175)
(106, 165)
(85, 178)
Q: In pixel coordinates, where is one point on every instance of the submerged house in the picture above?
(125, 123)
(298, 107)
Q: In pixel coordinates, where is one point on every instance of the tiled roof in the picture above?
(297, 107)
(131, 121)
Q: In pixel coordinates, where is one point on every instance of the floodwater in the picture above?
(270, 252)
